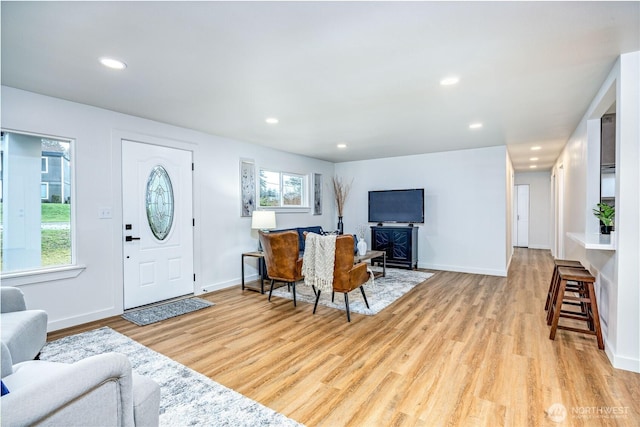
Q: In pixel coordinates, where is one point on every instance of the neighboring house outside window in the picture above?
(56, 176)
(36, 215)
(44, 191)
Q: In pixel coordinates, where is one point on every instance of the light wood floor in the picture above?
(459, 349)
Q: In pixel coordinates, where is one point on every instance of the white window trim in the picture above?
(18, 278)
(285, 209)
(306, 208)
(46, 165)
(51, 273)
(46, 197)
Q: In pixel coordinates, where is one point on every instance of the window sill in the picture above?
(286, 210)
(39, 276)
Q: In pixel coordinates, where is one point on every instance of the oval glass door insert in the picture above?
(159, 202)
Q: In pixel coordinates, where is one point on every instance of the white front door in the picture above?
(158, 223)
(522, 215)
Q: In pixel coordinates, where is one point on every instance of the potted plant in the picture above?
(341, 192)
(605, 214)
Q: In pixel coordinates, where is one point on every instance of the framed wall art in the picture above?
(247, 186)
(317, 194)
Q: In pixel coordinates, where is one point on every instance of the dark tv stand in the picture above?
(399, 242)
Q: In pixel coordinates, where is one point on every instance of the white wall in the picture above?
(509, 191)
(465, 229)
(539, 207)
(465, 225)
(617, 272)
(221, 235)
(627, 327)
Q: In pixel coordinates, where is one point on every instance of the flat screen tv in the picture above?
(397, 206)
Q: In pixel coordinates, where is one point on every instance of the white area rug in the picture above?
(384, 292)
(187, 398)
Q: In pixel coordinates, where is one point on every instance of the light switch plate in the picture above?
(104, 213)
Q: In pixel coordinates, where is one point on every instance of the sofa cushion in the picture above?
(146, 400)
(12, 299)
(93, 391)
(6, 363)
(301, 230)
(31, 372)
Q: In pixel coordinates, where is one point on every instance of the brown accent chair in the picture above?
(346, 275)
(282, 257)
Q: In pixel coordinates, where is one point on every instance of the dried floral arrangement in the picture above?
(341, 192)
(361, 230)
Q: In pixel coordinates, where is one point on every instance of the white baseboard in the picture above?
(68, 322)
(80, 319)
(228, 284)
(470, 270)
(547, 247)
(621, 362)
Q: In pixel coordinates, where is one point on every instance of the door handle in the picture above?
(130, 238)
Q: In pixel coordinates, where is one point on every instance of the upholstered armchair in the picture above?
(100, 390)
(346, 275)
(282, 257)
(23, 331)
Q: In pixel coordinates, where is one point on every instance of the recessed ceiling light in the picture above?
(113, 63)
(475, 125)
(536, 148)
(533, 166)
(533, 159)
(272, 120)
(448, 81)
(342, 145)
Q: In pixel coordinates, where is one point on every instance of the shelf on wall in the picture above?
(601, 242)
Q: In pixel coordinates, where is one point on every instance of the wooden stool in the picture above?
(554, 276)
(555, 280)
(586, 298)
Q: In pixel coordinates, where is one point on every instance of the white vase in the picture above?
(362, 247)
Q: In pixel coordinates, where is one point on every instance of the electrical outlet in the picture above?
(104, 213)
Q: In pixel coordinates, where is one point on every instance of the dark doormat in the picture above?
(158, 313)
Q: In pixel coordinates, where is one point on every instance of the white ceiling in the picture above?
(361, 73)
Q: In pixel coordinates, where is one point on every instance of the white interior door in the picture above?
(157, 191)
(522, 215)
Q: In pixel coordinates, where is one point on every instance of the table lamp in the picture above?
(263, 220)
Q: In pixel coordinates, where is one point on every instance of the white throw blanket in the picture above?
(318, 261)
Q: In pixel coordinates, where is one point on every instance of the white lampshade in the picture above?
(263, 220)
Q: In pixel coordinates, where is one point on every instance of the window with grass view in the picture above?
(36, 202)
(281, 189)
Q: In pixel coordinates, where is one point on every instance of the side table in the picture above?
(373, 255)
(261, 270)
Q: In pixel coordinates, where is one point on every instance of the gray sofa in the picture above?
(301, 230)
(23, 331)
(97, 391)
(312, 229)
